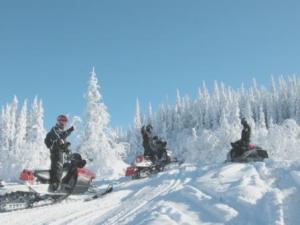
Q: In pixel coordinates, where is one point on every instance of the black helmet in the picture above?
(149, 128)
(243, 121)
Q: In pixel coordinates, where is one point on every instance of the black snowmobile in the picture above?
(76, 180)
(252, 154)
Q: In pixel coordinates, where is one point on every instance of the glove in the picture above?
(67, 151)
(72, 128)
(61, 142)
(65, 146)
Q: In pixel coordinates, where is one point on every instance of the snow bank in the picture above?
(258, 193)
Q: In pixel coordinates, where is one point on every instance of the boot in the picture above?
(54, 187)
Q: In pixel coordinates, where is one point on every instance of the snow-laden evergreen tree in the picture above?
(150, 113)
(12, 125)
(37, 151)
(138, 117)
(9, 121)
(21, 139)
(5, 118)
(136, 137)
(96, 144)
(203, 109)
(4, 139)
(21, 131)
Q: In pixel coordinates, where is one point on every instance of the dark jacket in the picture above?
(246, 133)
(55, 139)
(147, 139)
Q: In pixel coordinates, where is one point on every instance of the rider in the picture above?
(240, 146)
(147, 141)
(154, 148)
(56, 142)
(160, 148)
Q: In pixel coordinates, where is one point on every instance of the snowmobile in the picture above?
(253, 153)
(79, 181)
(143, 167)
(76, 180)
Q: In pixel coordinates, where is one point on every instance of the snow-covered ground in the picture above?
(255, 193)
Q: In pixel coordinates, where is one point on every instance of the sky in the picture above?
(144, 49)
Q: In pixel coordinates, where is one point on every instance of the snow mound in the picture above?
(256, 193)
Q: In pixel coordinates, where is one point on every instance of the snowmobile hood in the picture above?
(86, 173)
(27, 175)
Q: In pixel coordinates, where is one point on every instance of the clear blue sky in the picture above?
(144, 49)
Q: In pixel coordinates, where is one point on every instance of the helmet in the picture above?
(243, 121)
(149, 128)
(62, 120)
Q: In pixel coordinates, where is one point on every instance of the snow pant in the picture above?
(147, 150)
(71, 174)
(162, 154)
(56, 168)
(150, 155)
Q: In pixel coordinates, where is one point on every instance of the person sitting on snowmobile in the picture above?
(75, 161)
(241, 146)
(56, 142)
(147, 142)
(160, 148)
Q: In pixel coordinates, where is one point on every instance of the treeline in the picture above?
(218, 112)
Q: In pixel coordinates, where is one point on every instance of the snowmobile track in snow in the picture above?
(123, 213)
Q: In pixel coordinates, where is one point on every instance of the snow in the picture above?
(255, 193)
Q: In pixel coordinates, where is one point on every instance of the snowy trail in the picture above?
(287, 185)
(258, 193)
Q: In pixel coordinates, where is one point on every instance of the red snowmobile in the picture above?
(143, 167)
(79, 180)
(76, 180)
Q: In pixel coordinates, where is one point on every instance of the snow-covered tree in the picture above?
(138, 117)
(36, 135)
(21, 132)
(96, 144)
(12, 124)
(150, 114)
(21, 139)
(135, 132)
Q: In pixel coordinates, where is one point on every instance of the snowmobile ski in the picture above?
(143, 168)
(108, 190)
(32, 198)
(27, 199)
